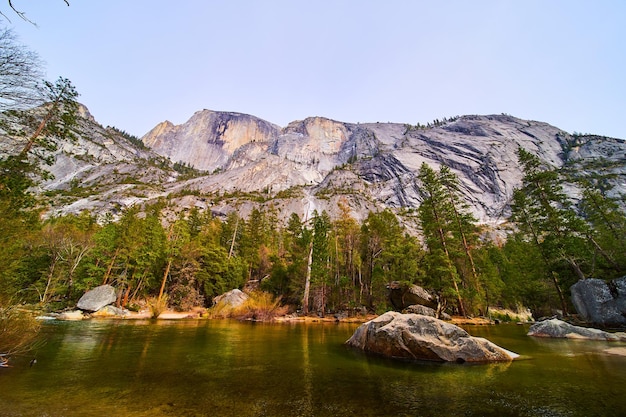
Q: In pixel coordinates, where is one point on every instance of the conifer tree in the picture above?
(607, 231)
(437, 222)
(547, 218)
(347, 269)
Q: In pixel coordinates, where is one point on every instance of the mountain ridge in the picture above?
(242, 162)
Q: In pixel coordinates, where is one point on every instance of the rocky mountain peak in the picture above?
(209, 138)
(316, 163)
(322, 134)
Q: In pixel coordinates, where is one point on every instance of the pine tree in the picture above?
(437, 222)
(547, 218)
(608, 232)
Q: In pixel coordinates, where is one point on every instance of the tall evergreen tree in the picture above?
(437, 222)
(608, 232)
(547, 218)
(347, 262)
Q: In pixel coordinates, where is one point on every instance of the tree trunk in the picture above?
(442, 239)
(555, 280)
(44, 296)
(34, 136)
(167, 272)
(605, 255)
(232, 243)
(307, 282)
(110, 268)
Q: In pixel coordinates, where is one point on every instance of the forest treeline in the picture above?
(321, 265)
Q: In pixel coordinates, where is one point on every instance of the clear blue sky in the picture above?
(139, 62)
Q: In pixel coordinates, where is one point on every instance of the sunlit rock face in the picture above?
(418, 337)
(378, 160)
(208, 139)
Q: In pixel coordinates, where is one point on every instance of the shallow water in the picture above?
(227, 368)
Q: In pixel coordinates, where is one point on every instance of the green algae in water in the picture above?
(227, 368)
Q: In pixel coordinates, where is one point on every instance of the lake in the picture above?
(228, 368)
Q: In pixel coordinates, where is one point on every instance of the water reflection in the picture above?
(225, 368)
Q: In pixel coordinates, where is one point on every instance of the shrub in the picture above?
(157, 305)
(260, 306)
(18, 331)
(185, 297)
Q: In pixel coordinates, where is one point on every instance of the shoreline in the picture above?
(201, 314)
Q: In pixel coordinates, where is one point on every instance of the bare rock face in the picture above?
(208, 139)
(417, 337)
(559, 329)
(312, 164)
(97, 298)
(599, 302)
(375, 163)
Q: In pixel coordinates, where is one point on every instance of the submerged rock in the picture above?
(95, 299)
(600, 302)
(559, 329)
(418, 337)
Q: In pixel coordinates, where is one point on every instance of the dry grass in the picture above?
(157, 306)
(220, 311)
(18, 332)
(260, 306)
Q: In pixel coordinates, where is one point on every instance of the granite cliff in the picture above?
(375, 165)
(241, 162)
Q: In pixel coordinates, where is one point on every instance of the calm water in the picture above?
(226, 368)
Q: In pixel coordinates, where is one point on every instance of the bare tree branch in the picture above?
(20, 74)
(22, 14)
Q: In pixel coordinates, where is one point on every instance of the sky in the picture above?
(138, 63)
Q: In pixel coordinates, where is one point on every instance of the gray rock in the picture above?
(599, 302)
(111, 311)
(209, 138)
(402, 295)
(444, 316)
(231, 299)
(95, 299)
(417, 337)
(559, 329)
(378, 162)
(75, 315)
(419, 309)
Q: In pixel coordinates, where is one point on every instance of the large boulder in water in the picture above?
(559, 329)
(95, 299)
(599, 302)
(418, 337)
